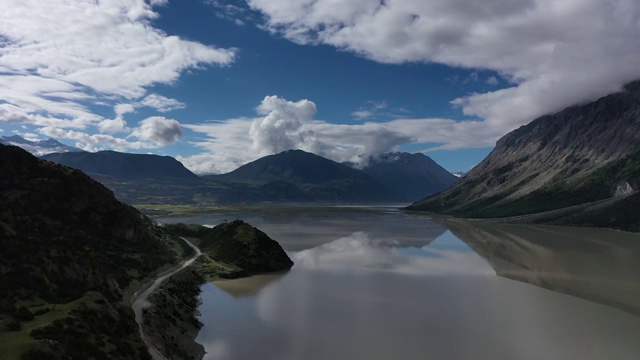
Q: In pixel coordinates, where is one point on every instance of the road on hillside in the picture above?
(140, 298)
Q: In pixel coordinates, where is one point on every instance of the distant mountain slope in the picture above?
(38, 148)
(317, 178)
(123, 165)
(582, 154)
(67, 241)
(295, 166)
(412, 175)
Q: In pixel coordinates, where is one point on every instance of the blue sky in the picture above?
(218, 83)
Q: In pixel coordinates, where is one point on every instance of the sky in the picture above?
(219, 83)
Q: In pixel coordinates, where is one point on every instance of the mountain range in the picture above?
(578, 166)
(290, 176)
(40, 147)
(308, 177)
(123, 165)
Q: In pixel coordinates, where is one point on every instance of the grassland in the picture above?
(15, 343)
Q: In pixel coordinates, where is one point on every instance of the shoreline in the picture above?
(170, 321)
(232, 250)
(556, 217)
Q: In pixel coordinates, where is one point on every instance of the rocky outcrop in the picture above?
(623, 189)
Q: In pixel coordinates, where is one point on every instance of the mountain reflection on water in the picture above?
(594, 264)
(397, 286)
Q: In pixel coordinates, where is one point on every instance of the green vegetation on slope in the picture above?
(230, 250)
(622, 215)
(597, 185)
(170, 322)
(70, 252)
(234, 249)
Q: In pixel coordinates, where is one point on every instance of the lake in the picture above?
(377, 283)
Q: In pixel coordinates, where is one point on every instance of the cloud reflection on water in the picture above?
(359, 251)
(364, 296)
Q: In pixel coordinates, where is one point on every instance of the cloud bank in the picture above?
(59, 58)
(291, 125)
(555, 53)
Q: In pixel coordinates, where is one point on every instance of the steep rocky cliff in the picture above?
(582, 154)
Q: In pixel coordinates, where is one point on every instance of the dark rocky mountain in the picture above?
(71, 256)
(581, 155)
(412, 175)
(308, 177)
(124, 165)
(38, 148)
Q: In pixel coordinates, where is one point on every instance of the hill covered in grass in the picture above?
(234, 249)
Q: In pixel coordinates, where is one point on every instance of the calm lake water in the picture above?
(382, 284)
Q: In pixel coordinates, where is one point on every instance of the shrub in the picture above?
(24, 314)
(38, 354)
(14, 325)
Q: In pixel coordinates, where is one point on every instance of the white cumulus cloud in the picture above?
(280, 129)
(94, 142)
(158, 130)
(161, 103)
(112, 125)
(60, 57)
